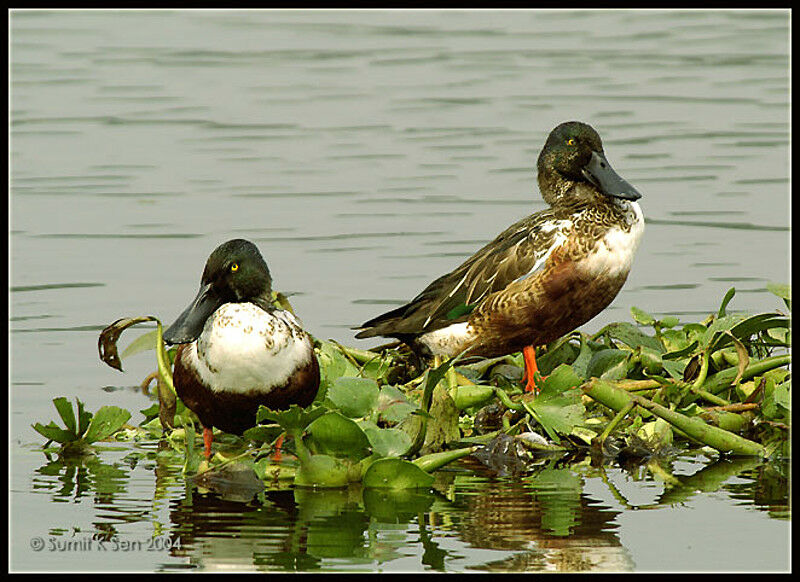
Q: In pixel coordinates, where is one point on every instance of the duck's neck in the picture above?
(264, 301)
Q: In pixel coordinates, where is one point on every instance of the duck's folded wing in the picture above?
(516, 253)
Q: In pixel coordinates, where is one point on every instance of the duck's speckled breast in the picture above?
(245, 349)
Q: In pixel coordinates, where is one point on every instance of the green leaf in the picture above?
(718, 326)
(741, 327)
(263, 433)
(557, 408)
(355, 397)
(584, 357)
(192, 458)
(608, 364)
(293, 420)
(64, 409)
(674, 351)
(325, 471)
(337, 435)
(105, 422)
(632, 336)
(669, 321)
(84, 417)
(386, 442)
(641, 316)
(651, 361)
(559, 352)
(393, 406)
(657, 433)
(471, 395)
(396, 474)
(144, 342)
(782, 291)
(675, 368)
(54, 433)
(333, 364)
(725, 300)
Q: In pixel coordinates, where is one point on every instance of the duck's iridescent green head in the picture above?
(234, 273)
(573, 164)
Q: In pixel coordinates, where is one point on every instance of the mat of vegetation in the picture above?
(631, 392)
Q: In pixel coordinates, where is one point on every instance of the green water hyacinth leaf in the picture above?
(64, 409)
(641, 316)
(396, 474)
(557, 407)
(393, 406)
(326, 471)
(294, 419)
(669, 321)
(84, 417)
(473, 395)
(782, 291)
(263, 433)
(777, 404)
(741, 327)
(105, 422)
(675, 368)
(88, 428)
(582, 360)
(53, 432)
(678, 346)
(656, 434)
(561, 352)
(386, 442)
(608, 364)
(651, 361)
(337, 435)
(333, 364)
(355, 397)
(632, 336)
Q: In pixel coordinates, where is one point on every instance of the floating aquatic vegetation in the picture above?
(386, 421)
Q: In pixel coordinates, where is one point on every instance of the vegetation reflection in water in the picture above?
(455, 450)
(541, 521)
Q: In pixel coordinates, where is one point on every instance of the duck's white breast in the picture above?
(613, 254)
(244, 348)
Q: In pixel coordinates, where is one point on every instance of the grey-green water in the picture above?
(366, 153)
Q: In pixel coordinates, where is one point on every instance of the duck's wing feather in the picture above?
(516, 253)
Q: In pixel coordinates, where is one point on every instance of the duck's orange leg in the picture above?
(529, 355)
(276, 456)
(208, 438)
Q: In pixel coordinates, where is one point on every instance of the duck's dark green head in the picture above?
(234, 273)
(573, 164)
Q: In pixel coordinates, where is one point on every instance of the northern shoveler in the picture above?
(543, 276)
(237, 350)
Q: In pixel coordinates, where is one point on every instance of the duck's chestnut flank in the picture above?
(237, 350)
(543, 276)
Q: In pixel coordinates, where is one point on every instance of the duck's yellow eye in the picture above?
(234, 267)
(571, 141)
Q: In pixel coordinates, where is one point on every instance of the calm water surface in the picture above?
(367, 153)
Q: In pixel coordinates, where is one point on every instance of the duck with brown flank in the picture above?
(542, 277)
(237, 350)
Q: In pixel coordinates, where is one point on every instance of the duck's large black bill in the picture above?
(189, 324)
(600, 173)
